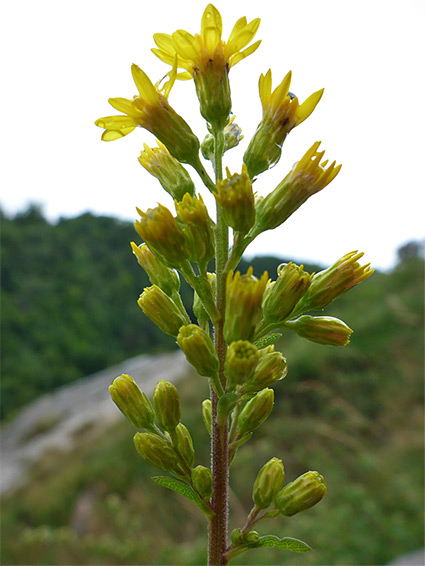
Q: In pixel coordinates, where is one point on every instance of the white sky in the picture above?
(63, 60)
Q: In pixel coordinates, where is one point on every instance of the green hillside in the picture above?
(355, 414)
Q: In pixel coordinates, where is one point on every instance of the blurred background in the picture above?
(74, 490)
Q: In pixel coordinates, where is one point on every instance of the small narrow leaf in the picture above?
(287, 543)
(263, 342)
(185, 490)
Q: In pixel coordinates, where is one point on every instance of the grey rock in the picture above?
(54, 421)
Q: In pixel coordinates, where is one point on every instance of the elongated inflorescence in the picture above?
(229, 335)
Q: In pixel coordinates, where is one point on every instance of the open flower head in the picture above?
(308, 176)
(150, 110)
(207, 58)
(281, 113)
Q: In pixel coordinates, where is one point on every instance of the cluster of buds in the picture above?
(231, 343)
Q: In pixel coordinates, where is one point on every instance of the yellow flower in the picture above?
(307, 177)
(151, 110)
(207, 58)
(195, 53)
(281, 113)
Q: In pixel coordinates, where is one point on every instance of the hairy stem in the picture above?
(218, 525)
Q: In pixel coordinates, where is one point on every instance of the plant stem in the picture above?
(218, 524)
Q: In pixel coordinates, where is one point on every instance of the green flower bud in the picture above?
(155, 450)
(198, 349)
(232, 136)
(241, 359)
(269, 482)
(162, 310)
(244, 295)
(321, 329)
(271, 367)
(306, 178)
(159, 229)
(236, 197)
(184, 444)
(301, 494)
(282, 295)
(331, 283)
(202, 481)
(252, 536)
(256, 411)
(197, 227)
(167, 405)
(206, 414)
(198, 308)
(170, 173)
(132, 402)
(159, 274)
(237, 537)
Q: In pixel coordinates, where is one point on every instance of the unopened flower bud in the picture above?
(206, 414)
(170, 173)
(301, 494)
(237, 537)
(244, 295)
(202, 481)
(282, 295)
(256, 411)
(132, 402)
(236, 197)
(307, 178)
(197, 227)
(167, 405)
(271, 367)
(241, 359)
(252, 536)
(159, 229)
(198, 349)
(184, 444)
(162, 310)
(232, 136)
(331, 283)
(325, 330)
(155, 450)
(269, 482)
(159, 274)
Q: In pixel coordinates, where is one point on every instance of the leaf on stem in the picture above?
(287, 543)
(185, 490)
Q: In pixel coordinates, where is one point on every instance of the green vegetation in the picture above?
(355, 414)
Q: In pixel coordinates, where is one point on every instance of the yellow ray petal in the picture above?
(143, 83)
(186, 45)
(211, 28)
(281, 92)
(116, 122)
(265, 88)
(244, 35)
(164, 42)
(242, 54)
(122, 105)
(307, 107)
(111, 135)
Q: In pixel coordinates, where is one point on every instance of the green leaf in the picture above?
(185, 490)
(263, 342)
(287, 543)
